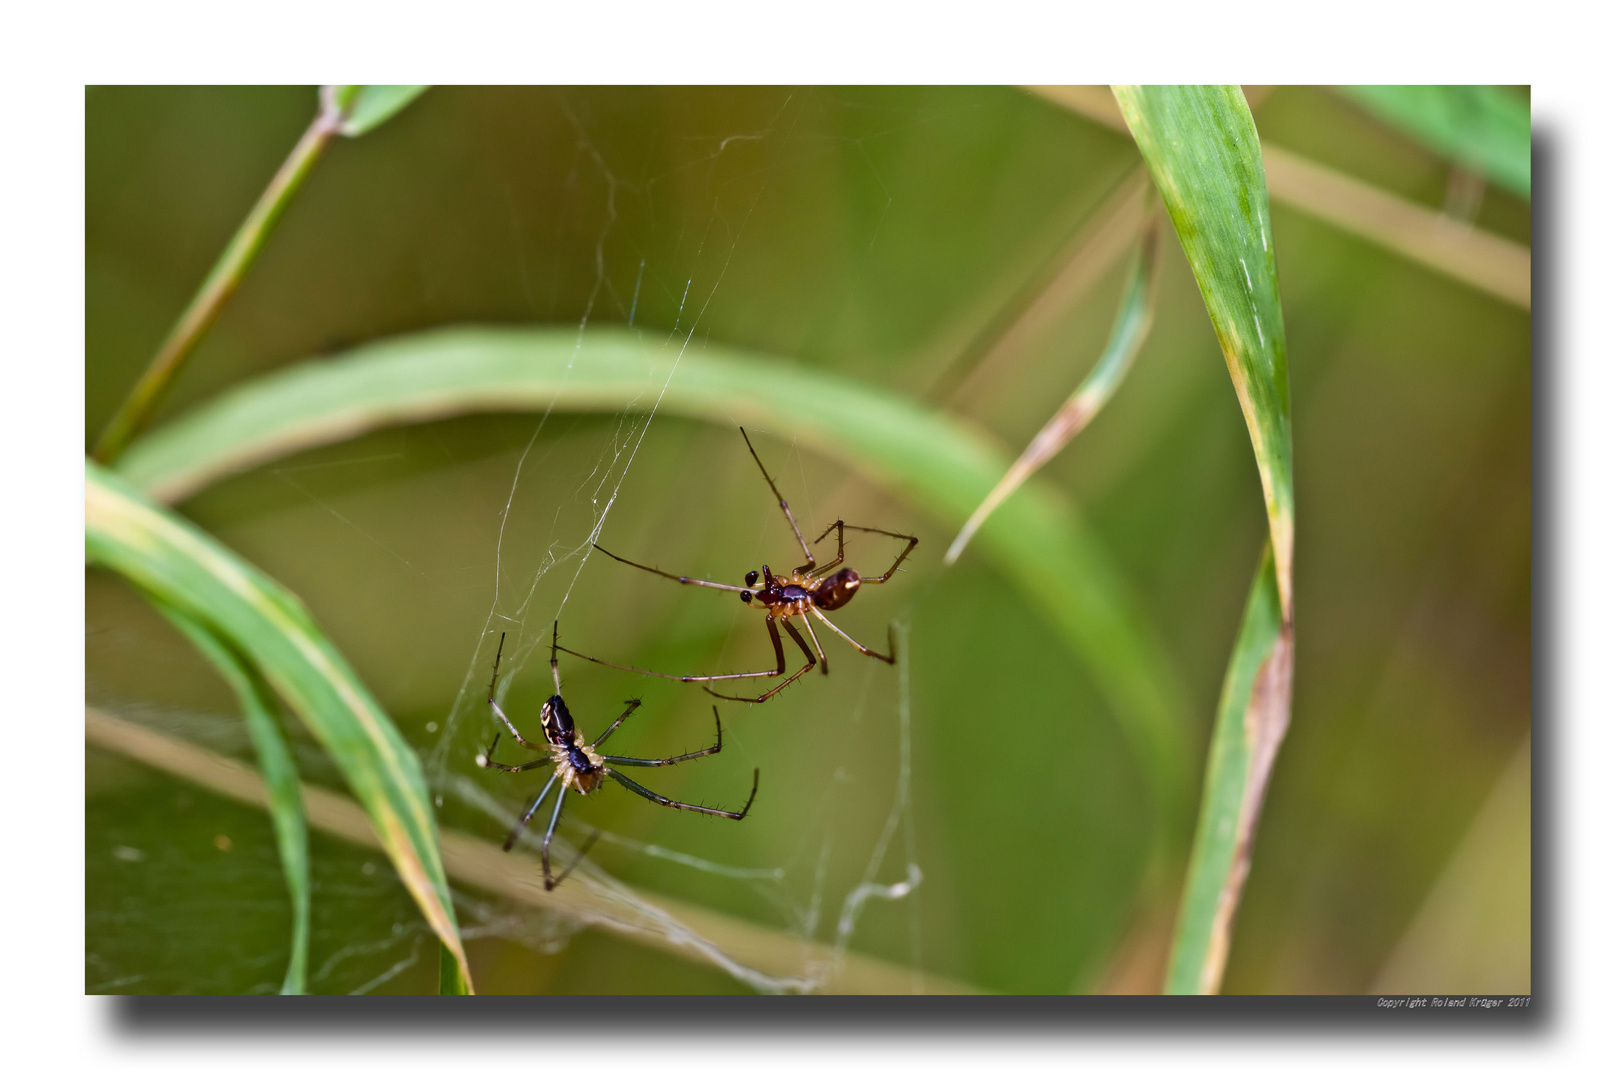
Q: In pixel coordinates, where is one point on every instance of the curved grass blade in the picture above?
(1203, 151)
(941, 466)
(167, 557)
(1202, 148)
(1249, 725)
(1484, 128)
(1131, 325)
(280, 777)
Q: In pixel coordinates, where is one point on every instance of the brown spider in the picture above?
(578, 765)
(809, 590)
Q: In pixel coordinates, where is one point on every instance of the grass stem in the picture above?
(137, 409)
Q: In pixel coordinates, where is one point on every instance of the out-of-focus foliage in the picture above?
(366, 107)
(873, 233)
(259, 710)
(254, 620)
(1485, 128)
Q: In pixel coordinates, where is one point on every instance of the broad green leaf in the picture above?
(1484, 128)
(171, 559)
(1241, 751)
(1131, 324)
(280, 776)
(1203, 151)
(940, 465)
(368, 107)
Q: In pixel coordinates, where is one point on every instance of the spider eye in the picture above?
(746, 595)
(750, 577)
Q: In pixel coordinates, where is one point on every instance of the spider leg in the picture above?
(809, 558)
(902, 557)
(495, 671)
(655, 762)
(812, 632)
(869, 652)
(545, 846)
(556, 680)
(661, 800)
(495, 674)
(781, 664)
(488, 761)
(826, 568)
(523, 822)
(672, 577)
(634, 704)
(666, 675)
(578, 856)
(515, 733)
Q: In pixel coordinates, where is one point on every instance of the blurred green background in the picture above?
(880, 234)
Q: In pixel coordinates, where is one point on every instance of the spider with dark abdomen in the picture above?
(809, 590)
(577, 763)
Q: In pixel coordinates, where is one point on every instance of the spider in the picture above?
(809, 590)
(577, 764)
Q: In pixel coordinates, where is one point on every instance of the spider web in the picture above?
(564, 481)
(525, 568)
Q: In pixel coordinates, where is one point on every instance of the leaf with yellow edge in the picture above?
(1131, 325)
(171, 559)
(1201, 146)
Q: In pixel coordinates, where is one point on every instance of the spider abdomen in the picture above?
(557, 721)
(837, 590)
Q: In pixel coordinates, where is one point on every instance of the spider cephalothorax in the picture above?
(799, 592)
(577, 764)
(808, 591)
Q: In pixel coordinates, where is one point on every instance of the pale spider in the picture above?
(578, 765)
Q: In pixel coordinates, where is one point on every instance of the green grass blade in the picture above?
(1484, 128)
(1201, 146)
(1203, 151)
(1241, 752)
(941, 466)
(171, 559)
(280, 777)
(450, 981)
(368, 107)
(1131, 325)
